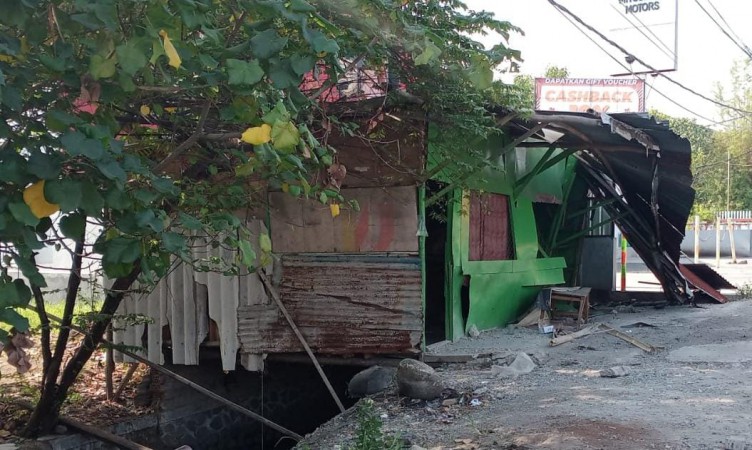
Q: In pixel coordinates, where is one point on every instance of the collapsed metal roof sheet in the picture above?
(642, 165)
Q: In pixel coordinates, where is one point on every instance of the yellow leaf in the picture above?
(145, 110)
(257, 135)
(7, 58)
(170, 109)
(285, 187)
(172, 54)
(334, 209)
(34, 197)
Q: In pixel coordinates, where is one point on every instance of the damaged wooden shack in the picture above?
(436, 248)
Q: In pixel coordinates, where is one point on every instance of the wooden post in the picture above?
(126, 379)
(697, 239)
(718, 241)
(109, 367)
(278, 301)
(731, 241)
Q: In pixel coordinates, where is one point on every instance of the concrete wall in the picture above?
(742, 242)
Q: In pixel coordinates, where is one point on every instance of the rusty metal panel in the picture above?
(490, 238)
(387, 222)
(701, 284)
(343, 304)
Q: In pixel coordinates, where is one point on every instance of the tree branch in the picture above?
(188, 143)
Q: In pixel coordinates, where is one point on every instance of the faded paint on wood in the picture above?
(490, 236)
(387, 222)
(343, 304)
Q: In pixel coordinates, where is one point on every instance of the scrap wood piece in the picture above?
(576, 335)
(530, 318)
(632, 340)
(275, 295)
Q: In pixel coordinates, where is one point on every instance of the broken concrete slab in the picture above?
(614, 372)
(418, 380)
(728, 352)
(521, 365)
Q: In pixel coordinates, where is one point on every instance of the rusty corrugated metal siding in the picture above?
(343, 304)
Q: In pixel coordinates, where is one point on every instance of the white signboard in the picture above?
(611, 95)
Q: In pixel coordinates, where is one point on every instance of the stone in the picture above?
(370, 381)
(450, 402)
(521, 365)
(614, 372)
(473, 331)
(418, 380)
(60, 429)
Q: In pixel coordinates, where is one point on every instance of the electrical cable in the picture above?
(723, 19)
(626, 53)
(666, 50)
(723, 30)
(621, 63)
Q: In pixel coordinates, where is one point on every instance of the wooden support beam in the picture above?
(275, 295)
(128, 375)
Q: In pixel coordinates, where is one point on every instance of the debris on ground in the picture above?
(521, 365)
(614, 372)
(371, 381)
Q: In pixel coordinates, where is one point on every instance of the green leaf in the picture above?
(301, 6)
(30, 271)
(31, 240)
(15, 294)
(76, 144)
(282, 74)
(302, 64)
(173, 242)
(65, 192)
(247, 255)
(117, 199)
(112, 170)
(189, 222)
(23, 214)
(121, 250)
(130, 57)
(278, 113)
(285, 135)
(430, 52)
(101, 67)
(266, 44)
(43, 166)
(147, 218)
(243, 72)
(59, 121)
(73, 226)
(12, 168)
(320, 43)
(265, 243)
(165, 186)
(14, 319)
(92, 201)
(246, 169)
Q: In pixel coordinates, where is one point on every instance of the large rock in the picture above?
(418, 380)
(370, 381)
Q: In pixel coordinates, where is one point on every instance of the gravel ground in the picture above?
(693, 394)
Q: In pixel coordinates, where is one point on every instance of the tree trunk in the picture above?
(45, 414)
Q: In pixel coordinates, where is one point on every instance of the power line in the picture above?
(724, 21)
(666, 50)
(626, 53)
(624, 66)
(723, 30)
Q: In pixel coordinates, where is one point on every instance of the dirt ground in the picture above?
(693, 394)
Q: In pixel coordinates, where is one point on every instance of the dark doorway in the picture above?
(436, 225)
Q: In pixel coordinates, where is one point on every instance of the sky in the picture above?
(705, 54)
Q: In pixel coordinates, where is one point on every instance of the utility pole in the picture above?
(728, 178)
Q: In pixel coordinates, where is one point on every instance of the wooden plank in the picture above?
(576, 335)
